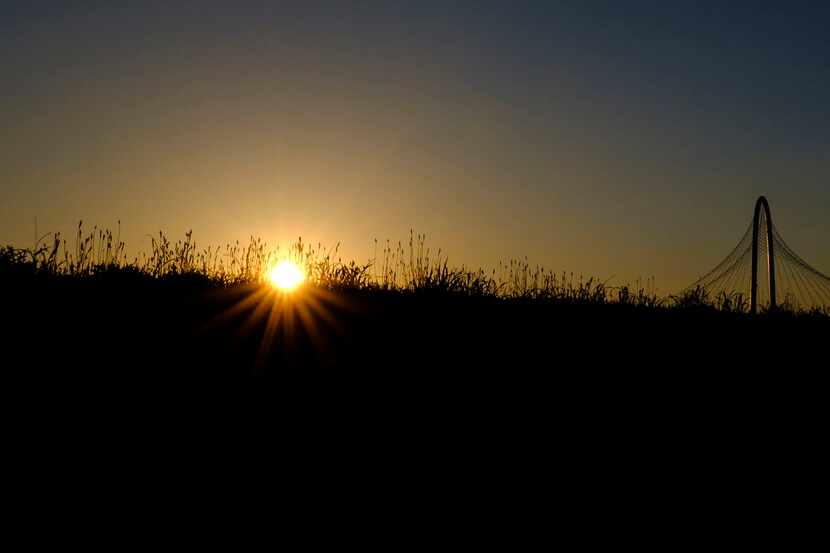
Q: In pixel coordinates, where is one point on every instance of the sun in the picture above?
(286, 276)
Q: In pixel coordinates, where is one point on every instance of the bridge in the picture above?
(764, 270)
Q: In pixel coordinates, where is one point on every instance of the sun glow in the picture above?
(286, 276)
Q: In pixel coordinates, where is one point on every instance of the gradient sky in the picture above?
(605, 138)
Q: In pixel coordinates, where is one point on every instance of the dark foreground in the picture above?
(613, 420)
(125, 323)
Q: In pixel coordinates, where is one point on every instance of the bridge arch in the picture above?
(736, 278)
(756, 222)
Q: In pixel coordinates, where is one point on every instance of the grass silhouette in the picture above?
(202, 309)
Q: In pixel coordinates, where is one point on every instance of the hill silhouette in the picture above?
(171, 313)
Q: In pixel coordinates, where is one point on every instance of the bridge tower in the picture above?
(756, 223)
(793, 283)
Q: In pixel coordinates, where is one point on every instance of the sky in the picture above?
(620, 140)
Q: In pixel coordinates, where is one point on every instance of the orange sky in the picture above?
(524, 133)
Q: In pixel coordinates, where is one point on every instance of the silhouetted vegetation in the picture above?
(179, 305)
